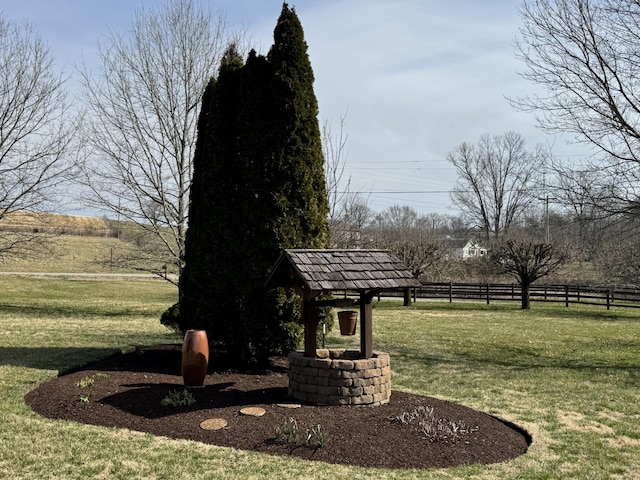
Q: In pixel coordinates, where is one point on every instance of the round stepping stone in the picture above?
(253, 411)
(289, 405)
(213, 424)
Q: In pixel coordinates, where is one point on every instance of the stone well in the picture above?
(340, 377)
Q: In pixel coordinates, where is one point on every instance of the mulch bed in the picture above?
(128, 389)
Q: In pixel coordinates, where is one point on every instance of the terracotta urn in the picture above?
(195, 358)
(348, 320)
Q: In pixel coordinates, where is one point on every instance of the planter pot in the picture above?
(195, 358)
(348, 320)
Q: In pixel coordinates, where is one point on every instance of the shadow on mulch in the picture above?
(127, 391)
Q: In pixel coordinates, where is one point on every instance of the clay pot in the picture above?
(348, 320)
(195, 358)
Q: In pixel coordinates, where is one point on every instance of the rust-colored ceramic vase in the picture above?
(348, 320)
(195, 358)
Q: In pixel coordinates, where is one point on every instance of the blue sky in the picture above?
(414, 77)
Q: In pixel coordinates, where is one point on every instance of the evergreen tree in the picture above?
(208, 254)
(258, 188)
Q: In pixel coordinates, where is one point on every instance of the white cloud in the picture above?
(417, 77)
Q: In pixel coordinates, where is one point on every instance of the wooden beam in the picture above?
(366, 324)
(310, 317)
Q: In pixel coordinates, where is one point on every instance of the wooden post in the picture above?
(366, 325)
(407, 297)
(310, 316)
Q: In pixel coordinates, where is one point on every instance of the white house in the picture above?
(473, 249)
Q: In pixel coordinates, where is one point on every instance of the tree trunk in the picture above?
(526, 300)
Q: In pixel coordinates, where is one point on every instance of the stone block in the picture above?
(318, 399)
(308, 388)
(328, 391)
(355, 391)
(322, 353)
(343, 364)
(338, 400)
(298, 395)
(365, 364)
(320, 363)
(353, 373)
(367, 398)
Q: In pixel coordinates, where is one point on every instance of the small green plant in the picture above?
(289, 431)
(84, 398)
(316, 436)
(434, 428)
(178, 398)
(85, 382)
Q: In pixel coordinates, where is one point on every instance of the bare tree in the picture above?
(496, 180)
(618, 260)
(348, 230)
(34, 134)
(334, 149)
(142, 110)
(527, 260)
(410, 236)
(583, 55)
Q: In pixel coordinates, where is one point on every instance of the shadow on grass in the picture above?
(81, 310)
(52, 358)
(517, 358)
(551, 310)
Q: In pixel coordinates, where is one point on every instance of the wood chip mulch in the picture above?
(127, 391)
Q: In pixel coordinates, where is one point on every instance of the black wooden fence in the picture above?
(566, 294)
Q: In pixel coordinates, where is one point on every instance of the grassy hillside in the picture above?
(53, 222)
(70, 254)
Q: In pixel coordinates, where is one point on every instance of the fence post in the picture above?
(608, 299)
(566, 296)
(578, 292)
(488, 294)
(450, 292)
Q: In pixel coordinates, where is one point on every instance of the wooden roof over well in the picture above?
(337, 270)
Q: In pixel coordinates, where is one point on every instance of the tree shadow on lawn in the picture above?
(513, 358)
(52, 358)
(81, 310)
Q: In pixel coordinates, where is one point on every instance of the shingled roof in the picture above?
(336, 270)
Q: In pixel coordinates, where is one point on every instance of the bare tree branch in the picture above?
(496, 180)
(142, 109)
(35, 135)
(583, 54)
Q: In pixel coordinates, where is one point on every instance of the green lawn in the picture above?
(571, 377)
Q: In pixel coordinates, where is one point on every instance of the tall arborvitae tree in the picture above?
(208, 251)
(262, 190)
(298, 146)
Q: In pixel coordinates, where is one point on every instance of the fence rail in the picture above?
(567, 294)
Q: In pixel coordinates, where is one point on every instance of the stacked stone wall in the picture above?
(340, 377)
